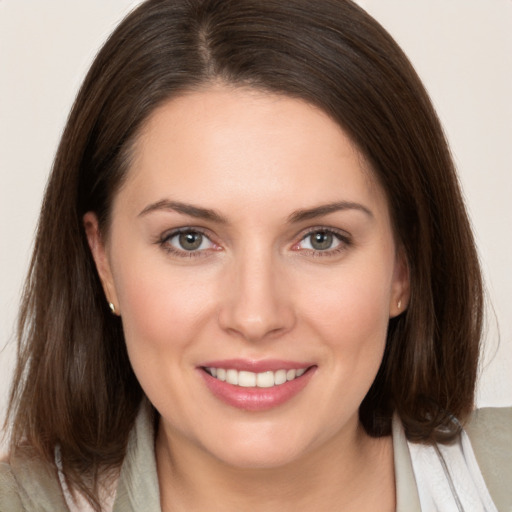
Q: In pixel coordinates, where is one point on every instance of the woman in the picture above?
(253, 278)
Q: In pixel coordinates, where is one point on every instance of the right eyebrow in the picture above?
(184, 208)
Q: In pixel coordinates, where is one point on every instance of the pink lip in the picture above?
(255, 399)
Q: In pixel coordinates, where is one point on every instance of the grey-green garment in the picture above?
(27, 485)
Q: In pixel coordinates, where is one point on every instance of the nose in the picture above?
(256, 301)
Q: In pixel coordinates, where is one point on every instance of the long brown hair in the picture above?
(74, 386)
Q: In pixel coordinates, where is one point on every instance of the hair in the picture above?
(74, 386)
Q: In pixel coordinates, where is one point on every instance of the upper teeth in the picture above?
(251, 379)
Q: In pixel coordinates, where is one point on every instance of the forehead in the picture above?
(236, 144)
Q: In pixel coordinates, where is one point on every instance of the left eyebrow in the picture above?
(325, 209)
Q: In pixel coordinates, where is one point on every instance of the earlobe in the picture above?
(400, 294)
(99, 254)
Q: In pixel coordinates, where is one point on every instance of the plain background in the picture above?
(462, 49)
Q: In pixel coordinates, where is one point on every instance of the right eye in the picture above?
(187, 242)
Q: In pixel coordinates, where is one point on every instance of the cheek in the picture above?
(161, 308)
(354, 304)
(351, 316)
(163, 312)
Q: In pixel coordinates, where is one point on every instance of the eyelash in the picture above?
(342, 237)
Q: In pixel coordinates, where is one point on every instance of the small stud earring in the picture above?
(112, 308)
(399, 305)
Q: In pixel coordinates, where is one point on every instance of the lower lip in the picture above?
(256, 399)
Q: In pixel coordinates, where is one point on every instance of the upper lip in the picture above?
(264, 365)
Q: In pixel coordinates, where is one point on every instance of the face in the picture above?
(252, 260)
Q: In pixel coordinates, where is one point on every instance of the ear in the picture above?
(401, 288)
(100, 256)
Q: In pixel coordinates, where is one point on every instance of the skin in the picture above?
(256, 289)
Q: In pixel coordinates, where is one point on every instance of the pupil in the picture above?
(190, 241)
(321, 241)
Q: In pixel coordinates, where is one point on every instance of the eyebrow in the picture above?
(186, 209)
(211, 215)
(318, 211)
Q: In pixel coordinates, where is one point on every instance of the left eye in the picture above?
(320, 241)
(190, 241)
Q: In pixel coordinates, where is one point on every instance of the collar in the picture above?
(137, 488)
(407, 498)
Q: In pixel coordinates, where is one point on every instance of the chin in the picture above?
(260, 446)
(261, 458)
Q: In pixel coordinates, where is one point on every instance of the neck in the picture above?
(352, 473)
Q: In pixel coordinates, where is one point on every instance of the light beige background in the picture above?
(462, 49)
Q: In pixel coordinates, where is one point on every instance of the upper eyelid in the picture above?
(336, 231)
(170, 233)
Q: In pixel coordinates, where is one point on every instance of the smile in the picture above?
(247, 379)
(256, 386)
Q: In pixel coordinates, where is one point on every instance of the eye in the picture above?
(187, 241)
(324, 241)
(320, 241)
(190, 241)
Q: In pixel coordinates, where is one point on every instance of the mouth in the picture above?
(248, 379)
(256, 386)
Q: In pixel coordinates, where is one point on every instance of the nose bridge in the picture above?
(256, 302)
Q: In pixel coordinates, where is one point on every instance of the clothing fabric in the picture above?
(27, 485)
(449, 478)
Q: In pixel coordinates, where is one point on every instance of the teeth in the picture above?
(232, 377)
(279, 377)
(250, 379)
(265, 380)
(246, 379)
(290, 374)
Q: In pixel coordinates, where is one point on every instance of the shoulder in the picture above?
(27, 484)
(9, 490)
(490, 432)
